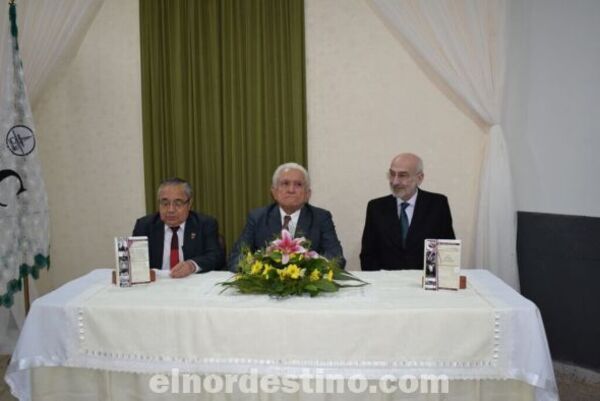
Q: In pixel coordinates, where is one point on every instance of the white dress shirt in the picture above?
(166, 262)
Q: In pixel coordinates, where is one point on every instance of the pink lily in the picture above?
(311, 255)
(287, 245)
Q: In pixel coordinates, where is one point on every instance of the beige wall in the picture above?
(89, 125)
(367, 100)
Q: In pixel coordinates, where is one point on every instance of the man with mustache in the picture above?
(397, 225)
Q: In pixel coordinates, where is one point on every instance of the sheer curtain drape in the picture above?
(464, 42)
(50, 33)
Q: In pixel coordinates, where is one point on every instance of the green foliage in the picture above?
(288, 268)
(16, 285)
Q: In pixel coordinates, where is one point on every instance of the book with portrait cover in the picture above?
(441, 265)
(132, 261)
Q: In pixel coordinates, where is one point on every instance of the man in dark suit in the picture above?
(179, 239)
(397, 225)
(291, 191)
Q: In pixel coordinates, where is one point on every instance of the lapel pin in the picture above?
(193, 235)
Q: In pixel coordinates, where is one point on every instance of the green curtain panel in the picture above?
(223, 99)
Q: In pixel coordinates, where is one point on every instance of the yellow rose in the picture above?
(315, 275)
(293, 271)
(330, 275)
(256, 268)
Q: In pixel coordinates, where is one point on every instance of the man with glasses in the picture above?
(290, 189)
(397, 225)
(179, 239)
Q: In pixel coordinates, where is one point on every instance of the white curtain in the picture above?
(464, 43)
(50, 33)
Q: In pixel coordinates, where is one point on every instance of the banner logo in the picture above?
(11, 173)
(20, 140)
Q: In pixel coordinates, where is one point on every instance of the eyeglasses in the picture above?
(402, 175)
(177, 203)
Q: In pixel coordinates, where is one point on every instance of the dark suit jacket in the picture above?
(200, 240)
(264, 224)
(382, 239)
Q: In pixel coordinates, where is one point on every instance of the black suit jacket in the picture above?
(200, 240)
(382, 239)
(264, 224)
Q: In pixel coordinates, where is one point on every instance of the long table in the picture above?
(90, 340)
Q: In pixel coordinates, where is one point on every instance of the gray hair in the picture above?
(187, 188)
(418, 160)
(290, 166)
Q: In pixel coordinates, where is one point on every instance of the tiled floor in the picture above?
(573, 388)
(570, 388)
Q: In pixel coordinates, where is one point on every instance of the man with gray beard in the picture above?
(397, 225)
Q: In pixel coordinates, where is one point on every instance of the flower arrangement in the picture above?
(287, 267)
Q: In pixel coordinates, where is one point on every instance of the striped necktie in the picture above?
(403, 222)
(286, 222)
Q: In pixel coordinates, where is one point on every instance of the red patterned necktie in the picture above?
(174, 247)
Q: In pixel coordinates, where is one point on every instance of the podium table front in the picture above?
(90, 340)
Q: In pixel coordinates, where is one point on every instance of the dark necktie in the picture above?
(174, 247)
(403, 222)
(286, 222)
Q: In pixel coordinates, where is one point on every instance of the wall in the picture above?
(368, 101)
(553, 104)
(89, 131)
(568, 267)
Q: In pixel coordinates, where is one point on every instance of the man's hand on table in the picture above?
(183, 269)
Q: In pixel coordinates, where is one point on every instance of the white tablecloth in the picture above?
(392, 326)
